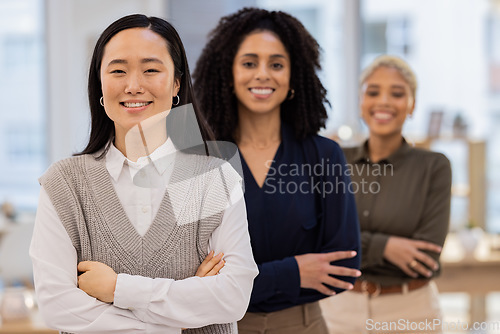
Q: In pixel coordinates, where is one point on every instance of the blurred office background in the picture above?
(453, 45)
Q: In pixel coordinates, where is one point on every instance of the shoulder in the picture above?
(211, 178)
(435, 164)
(432, 159)
(325, 147)
(209, 166)
(68, 167)
(353, 152)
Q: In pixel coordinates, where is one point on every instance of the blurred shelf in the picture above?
(475, 188)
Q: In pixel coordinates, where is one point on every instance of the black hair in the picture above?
(213, 77)
(102, 127)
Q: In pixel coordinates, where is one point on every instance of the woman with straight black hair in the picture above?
(102, 127)
(127, 230)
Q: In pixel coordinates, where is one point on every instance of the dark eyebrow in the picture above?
(151, 60)
(117, 61)
(256, 56)
(143, 61)
(374, 85)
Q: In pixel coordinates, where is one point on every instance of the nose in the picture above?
(134, 84)
(262, 72)
(383, 98)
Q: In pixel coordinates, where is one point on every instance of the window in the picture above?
(22, 130)
(458, 69)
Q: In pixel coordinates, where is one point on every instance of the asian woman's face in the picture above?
(261, 73)
(137, 76)
(386, 100)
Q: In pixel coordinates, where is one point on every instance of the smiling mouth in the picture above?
(135, 104)
(262, 91)
(382, 116)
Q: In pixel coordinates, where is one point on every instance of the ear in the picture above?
(411, 107)
(177, 86)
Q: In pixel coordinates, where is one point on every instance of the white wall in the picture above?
(448, 57)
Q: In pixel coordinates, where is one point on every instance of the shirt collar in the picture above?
(361, 153)
(115, 160)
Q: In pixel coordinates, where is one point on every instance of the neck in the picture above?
(139, 142)
(257, 130)
(381, 147)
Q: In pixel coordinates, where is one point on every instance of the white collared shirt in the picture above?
(141, 304)
(140, 203)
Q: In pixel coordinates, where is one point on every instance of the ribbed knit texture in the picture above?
(176, 243)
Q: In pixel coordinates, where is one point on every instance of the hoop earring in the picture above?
(291, 94)
(178, 100)
(101, 101)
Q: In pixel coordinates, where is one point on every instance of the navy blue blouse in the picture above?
(303, 207)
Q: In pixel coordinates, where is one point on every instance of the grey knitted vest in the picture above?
(176, 243)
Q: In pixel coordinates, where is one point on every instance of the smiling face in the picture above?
(386, 101)
(137, 76)
(261, 73)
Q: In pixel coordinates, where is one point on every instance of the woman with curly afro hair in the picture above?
(257, 86)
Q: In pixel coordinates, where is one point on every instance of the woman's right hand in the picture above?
(315, 270)
(211, 265)
(406, 254)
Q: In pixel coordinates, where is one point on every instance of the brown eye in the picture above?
(398, 94)
(372, 93)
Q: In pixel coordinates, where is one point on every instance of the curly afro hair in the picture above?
(213, 77)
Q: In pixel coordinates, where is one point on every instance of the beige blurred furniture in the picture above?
(16, 268)
(33, 323)
(477, 273)
(15, 263)
(25, 327)
(475, 189)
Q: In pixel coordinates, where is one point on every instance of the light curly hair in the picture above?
(392, 62)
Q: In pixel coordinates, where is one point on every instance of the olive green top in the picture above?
(408, 195)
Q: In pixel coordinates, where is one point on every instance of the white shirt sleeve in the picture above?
(63, 305)
(196, 301)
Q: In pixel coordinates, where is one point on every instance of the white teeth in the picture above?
(135, 104)
(382, 116)
(261, 91)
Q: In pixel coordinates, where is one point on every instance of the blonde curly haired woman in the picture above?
(404, 214)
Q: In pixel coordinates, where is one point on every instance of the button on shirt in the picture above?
(141, 304)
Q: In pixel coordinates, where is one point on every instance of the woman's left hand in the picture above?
(97, 280)
(316, 270)
(211, 265)
(408, 256)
